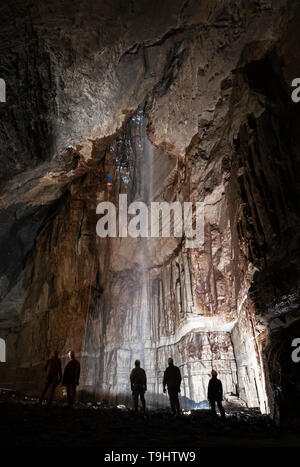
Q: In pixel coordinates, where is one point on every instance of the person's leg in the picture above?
(172, 401)
(213, 407)
(52, 391)
(44, 391)
(142, 397)
(135, 396)
(72, 394)
(221, 408)
(69, 394)
(176, 400)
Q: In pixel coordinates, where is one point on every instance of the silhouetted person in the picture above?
(172, 379)
(215, 394)
(138, 381)
(53, 377)
(71, 377)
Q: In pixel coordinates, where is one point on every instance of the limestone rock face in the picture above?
(180, 102)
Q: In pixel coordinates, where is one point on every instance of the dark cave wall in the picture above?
(265, 165)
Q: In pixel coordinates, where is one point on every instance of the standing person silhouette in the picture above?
(215, 394)
(71, 377)
(138, 382)
(172, 379)
(53, 377)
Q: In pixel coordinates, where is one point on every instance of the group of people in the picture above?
(172, 380)
(138, 381)
(54, 376)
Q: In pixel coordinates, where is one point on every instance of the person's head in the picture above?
(71, 354)
(55, 353)
(170, 361)
(137, 363)
(214, 374)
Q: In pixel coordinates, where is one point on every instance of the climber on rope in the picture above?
(53, 377)
(172, 379)
(138, 382)
(215, 394)
(71, 377)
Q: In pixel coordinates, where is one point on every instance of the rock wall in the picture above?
(209, 86)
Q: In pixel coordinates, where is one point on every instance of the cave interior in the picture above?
(177, 101)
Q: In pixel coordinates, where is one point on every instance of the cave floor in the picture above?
(29, 425)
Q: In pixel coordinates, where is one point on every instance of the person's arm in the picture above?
(179, 379)
(145, 381)
(131, 379)
(78, 374)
